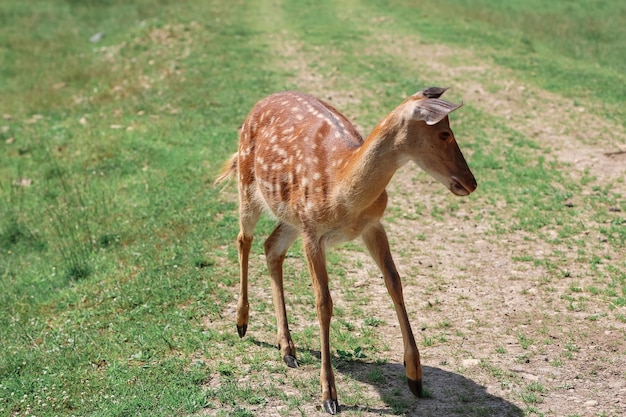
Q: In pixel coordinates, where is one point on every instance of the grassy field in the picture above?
(118, 268)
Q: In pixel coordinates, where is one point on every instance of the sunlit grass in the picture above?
(117, 264)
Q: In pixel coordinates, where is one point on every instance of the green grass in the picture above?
(572, 48)
(117, 262)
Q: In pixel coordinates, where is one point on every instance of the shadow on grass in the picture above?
(446, 393)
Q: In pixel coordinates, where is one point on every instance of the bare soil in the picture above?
(495, 301)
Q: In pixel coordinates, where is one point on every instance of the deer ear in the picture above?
(431, 92)
(433, 110)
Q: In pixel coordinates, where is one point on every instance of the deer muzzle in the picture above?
(463, 186)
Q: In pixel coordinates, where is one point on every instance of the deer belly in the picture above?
(279, 195)
(295, 201)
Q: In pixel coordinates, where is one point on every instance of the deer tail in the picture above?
(228, 169)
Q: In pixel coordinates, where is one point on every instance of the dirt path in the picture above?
(496, 336)
(501, 337)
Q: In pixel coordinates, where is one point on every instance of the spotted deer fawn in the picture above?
(303, 162)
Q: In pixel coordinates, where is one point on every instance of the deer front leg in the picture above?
(317, 266)
(376, 241)
(275, 250)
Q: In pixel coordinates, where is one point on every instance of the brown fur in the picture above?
(305, 163)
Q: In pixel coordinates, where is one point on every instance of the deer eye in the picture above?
(444, 135)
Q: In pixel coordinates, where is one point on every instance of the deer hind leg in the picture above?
(248, 217)
(376, 241)
(276, 247)
(317, 266)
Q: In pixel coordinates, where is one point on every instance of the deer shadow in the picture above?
(446, 393)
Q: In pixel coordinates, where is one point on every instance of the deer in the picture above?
(301, 161)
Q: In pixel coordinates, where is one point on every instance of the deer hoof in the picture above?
(416, 387)
(291, 361)
(331, 406)
(241, 330)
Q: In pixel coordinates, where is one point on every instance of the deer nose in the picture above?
(463, 186)
(472, 184)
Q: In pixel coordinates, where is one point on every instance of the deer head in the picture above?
(430, 141)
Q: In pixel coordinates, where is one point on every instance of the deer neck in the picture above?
(373, 164)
